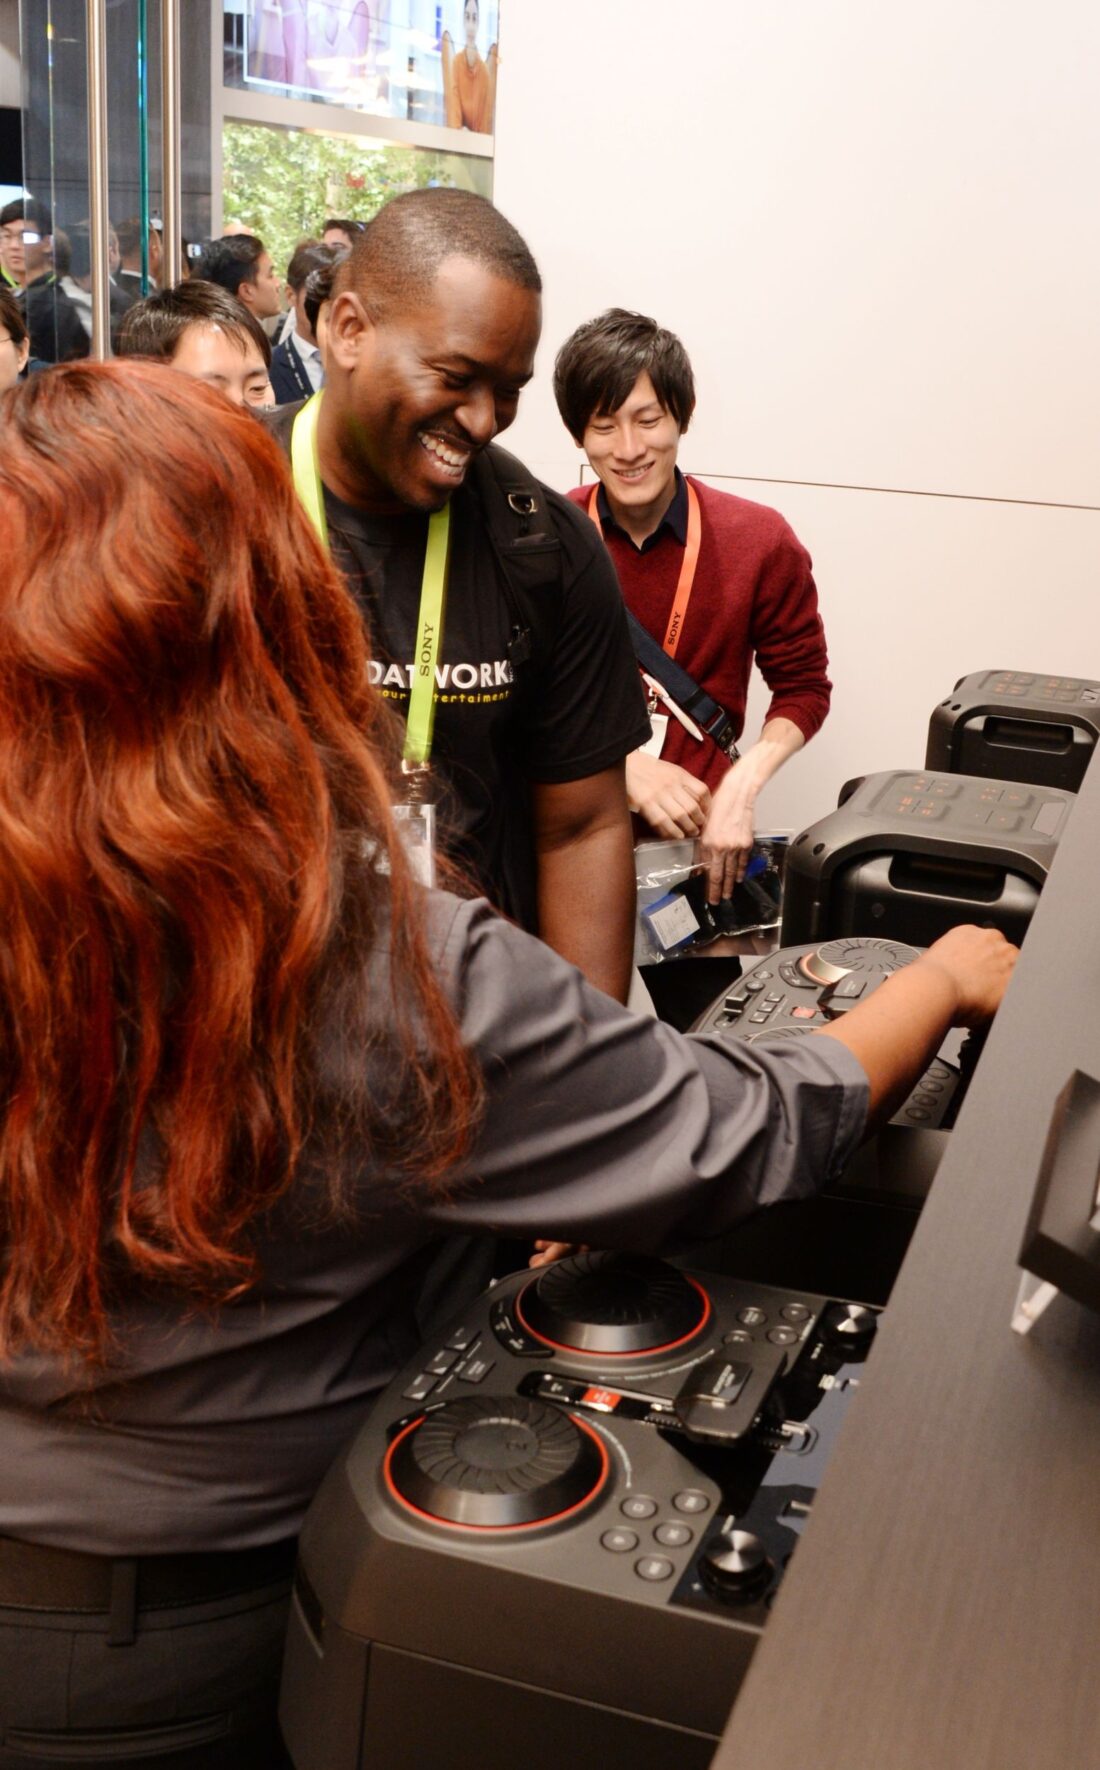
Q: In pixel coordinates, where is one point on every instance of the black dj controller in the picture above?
(565, 1523)
(802, 988)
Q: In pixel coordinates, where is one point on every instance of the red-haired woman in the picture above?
(250, 1075)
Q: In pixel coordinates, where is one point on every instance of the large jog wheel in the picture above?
(613, 1305)
(496, 1463)
(860, 953)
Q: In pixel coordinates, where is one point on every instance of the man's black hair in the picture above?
(352, 228)
(12, 317)
(232, 261)
(154, 327)
(395, 262)
(128, 233)
(28, 209)
(596, 368)
(310, 255)
(319, 283)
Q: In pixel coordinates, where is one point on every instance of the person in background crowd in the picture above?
(75, 282)
(469, 84)
(129, 277)
(296, 366)
(26, 243)
(253, 1074)
(341, 233)
(57, 333)
(317, 296)
(712, 578)
(204, 333)
(242, 265)
(431, 336)
(15, 343)
(11, 248)
(626, 394)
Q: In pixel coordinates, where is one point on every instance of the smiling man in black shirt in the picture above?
(431, 336)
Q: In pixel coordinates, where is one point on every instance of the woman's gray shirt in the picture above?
(600, 1126)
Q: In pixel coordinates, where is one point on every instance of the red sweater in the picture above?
(753, 594)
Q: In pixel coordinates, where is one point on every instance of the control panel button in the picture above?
(512, 1338)
(638, 1505)
(850, 987)
(441, 1362)
(618, 1541)
(752, 1316)
(691, 1501)
(419, 1388)
(795, 1312)
(461, 1339)
(737, 1337)
(782, 1336)
(475, 1370)
(1049, 817)
(735, 1566)
(803, 1012)
(674, 1536)
(654, 1567)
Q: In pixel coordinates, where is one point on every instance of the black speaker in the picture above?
(908, 856)
(557, 1538)
(998, 723)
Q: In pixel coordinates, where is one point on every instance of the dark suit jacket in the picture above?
(289, 380)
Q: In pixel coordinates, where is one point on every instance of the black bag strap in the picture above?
(527, 550)
(684, 690)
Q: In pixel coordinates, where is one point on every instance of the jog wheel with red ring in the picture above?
(496, 1463)
(613, 1306)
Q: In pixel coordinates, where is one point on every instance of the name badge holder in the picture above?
(414, 811)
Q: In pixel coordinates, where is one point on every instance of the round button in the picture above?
(638, 1505)
(690, 1500)
(735, 1567)
(917, 1114)
(737, 1337)
(654, 1567)
(795, 1312)
(674, 1536)
(752, 1316)
(782, 1336)
(620, 1542)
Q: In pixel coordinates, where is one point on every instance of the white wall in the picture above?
(875, 227)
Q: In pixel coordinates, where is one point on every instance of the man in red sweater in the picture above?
(715, 579)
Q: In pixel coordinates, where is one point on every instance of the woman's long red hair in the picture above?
(196, 852)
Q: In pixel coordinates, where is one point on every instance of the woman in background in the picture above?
(250, 1075)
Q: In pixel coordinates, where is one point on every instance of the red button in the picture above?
(803, 1013)
(606, 1399)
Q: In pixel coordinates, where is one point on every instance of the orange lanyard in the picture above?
(687, 569)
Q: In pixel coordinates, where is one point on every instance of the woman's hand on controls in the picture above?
(546, 1252)
(980, 962)
(672, 801)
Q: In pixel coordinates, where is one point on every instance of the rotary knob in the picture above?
(850, 1326)
(735, 1567)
